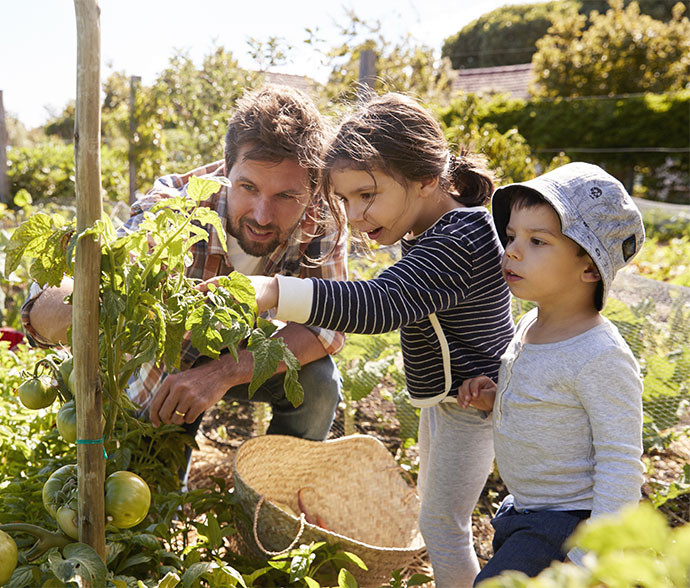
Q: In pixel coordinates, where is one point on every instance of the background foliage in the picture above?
(580, 55)
(590, 68)
(508, 35)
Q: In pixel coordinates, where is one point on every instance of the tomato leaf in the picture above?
(267, 354)
(206, 216)
(194, 572)
(200, 189)
(25, 576)
(346, 579)
(293, 389)
(27, 239)
(170, 580)
(80, 564)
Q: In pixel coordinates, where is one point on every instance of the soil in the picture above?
(225, 427)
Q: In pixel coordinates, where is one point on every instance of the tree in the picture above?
(621, 52)
(658, 9)
(194, 105)
(401, 66)
(505, 36)
(509, 155)
(508, 35)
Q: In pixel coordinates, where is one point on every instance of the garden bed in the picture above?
(226, 426)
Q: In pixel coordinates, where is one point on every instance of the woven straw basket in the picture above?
(352, 484)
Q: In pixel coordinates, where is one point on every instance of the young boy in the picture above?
(567, 409)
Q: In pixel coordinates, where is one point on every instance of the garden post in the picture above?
(134, 82)
(4, 184)
(367, 74)
(87, 130)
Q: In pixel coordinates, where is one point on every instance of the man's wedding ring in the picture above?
(180, 413)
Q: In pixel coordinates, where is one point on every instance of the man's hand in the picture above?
(50, 315)
(266, 289)
(182, 397)
(478, 392)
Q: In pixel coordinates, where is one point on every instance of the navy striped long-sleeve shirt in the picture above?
(446, 295)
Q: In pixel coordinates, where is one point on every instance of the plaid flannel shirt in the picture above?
(210, 260)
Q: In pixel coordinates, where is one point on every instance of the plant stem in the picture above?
(163, 246)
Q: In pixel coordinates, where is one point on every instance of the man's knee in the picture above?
(313, 418)
(321, 382)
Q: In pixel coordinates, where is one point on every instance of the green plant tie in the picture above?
(92, 442)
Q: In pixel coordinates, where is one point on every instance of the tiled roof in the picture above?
(486, 80)
(300, 82)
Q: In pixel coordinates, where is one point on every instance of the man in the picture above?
(275, 222)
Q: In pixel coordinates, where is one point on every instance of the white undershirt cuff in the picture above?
(295, 296)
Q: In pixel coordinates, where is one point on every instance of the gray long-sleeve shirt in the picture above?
(568, 422)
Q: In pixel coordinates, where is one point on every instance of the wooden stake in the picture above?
(134, 82)
(87, 131)
(4, 183)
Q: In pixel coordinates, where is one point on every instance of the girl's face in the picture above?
(378, 205)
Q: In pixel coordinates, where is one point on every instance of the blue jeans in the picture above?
(310, 420)
(530, 540)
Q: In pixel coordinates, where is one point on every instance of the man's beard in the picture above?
(248, 245)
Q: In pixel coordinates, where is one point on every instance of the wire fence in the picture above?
(652, 316)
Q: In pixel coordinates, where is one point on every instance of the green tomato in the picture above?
(65, 370)
(60, 488)
(67, 518)
(127, 499)
(67, 421)
(8, 557)
(72, 382)
(37, 393)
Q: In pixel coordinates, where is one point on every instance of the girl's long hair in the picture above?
(394, 134)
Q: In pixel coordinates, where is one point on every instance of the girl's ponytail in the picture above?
(472, 180)
(397, 135)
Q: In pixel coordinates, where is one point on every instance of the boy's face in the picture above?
(540, 263)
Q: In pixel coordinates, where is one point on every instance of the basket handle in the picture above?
(256, 533)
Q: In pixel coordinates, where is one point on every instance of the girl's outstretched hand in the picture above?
(266, 290)
(478, 392)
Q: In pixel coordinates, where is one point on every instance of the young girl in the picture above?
(390, 168)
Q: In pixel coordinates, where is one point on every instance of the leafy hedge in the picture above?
(47, 171)
(617, 124)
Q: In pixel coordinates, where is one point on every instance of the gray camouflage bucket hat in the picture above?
(595, 211)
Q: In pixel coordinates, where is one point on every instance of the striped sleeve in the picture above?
(334, 267)
(434, 276)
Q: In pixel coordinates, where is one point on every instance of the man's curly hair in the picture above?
(276, 123)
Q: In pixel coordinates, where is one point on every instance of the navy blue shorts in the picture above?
(529, 541)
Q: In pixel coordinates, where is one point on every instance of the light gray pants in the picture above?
(455, 458)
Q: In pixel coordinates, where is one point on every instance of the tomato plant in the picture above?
(8, 557)
(127, 499)
(67, 518)
(66, 421)
(147, 303)
(60, 488)
(37, 392)
(65, 373)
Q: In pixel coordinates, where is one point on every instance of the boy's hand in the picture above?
(266, 289)
(478, 392)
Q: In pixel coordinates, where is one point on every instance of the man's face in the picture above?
(265, 202)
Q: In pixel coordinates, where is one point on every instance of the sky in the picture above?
(38, 43)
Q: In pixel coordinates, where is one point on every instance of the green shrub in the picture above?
(634, 549)
(46, 171)
(606, 131)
